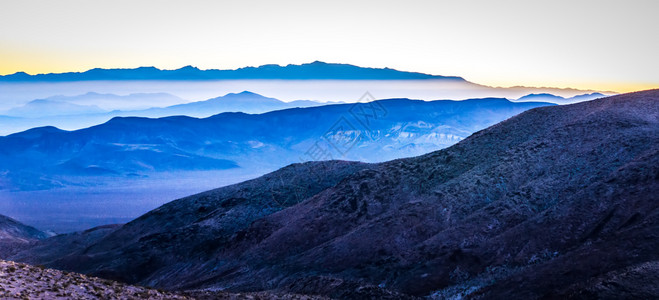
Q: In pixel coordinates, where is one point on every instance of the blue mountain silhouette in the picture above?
(314, 70)
(375, 131)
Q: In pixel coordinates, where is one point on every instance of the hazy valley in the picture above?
(141, 163)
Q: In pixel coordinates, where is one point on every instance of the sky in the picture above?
(599, 45)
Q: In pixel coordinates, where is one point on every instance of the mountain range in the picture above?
(245, 102)
(76, 112)
(131, 146)
(323, 82)
(58, 180)
(314, 70)
(556, 202)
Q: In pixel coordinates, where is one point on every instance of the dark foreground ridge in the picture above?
(557, 202)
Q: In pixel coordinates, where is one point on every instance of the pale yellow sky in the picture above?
(601, 45)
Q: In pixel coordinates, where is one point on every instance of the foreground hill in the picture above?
(21, 281)
(557, 202)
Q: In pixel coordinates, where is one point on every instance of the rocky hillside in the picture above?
(62, 245)
(15, 235)
(557, 202)
(21, 281)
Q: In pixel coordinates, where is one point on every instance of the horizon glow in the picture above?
(590, 45)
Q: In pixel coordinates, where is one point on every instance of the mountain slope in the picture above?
(555, 202)
(314, 70)
(15, 235)
(61, 245)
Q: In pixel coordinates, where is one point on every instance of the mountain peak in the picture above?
(188, 68)
(20, 74)
(244, 94)
(249, 93)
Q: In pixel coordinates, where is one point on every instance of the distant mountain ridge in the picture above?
(314, 70)
(132, 101)
(546, 97)
(138, 153)
(74, 112)
(125, 146)
(43, 108)
(246, 102)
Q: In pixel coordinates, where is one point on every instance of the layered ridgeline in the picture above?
(81, 111)
(545, 97)
(43, 158)
(245, 102)
(89, 109)
(317, 81)
(93, 97)
(557, 202)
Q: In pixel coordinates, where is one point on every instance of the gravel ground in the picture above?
(21, 281)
